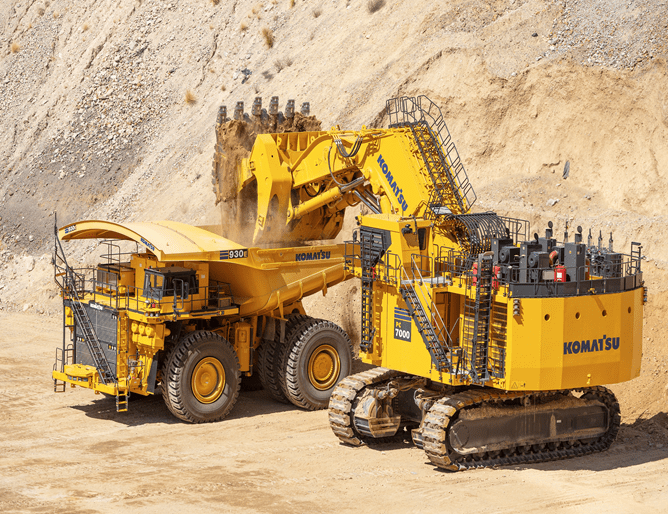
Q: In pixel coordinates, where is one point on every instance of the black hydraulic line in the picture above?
(329, 166)
(322, 188)
(342, 186)
(353, 151)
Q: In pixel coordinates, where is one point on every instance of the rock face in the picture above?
(95, 123)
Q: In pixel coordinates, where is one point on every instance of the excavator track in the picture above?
(471, 428)
(436, 436)
(342, 400)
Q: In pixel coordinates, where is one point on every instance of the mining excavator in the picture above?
(491, 347)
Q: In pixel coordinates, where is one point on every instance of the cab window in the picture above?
(153, 285)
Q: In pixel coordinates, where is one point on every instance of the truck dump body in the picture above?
(261, 279)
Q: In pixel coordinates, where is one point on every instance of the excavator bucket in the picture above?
(283, 179)
(249, 192)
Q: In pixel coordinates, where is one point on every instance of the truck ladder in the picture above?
(372, 248)
(426, 329)
(123, 393)
(62, 356)
(477, 319)
(67, 280)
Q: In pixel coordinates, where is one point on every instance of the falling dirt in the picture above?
(234, 141)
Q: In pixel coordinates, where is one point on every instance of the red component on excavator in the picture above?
(497, 277)
(560, 274)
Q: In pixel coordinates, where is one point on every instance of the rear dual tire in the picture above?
(271, 356)
(317, 356)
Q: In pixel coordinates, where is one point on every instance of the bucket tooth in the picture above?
(222, 114)
(273, 106)
(239, 111)
(256, 110)
(306, 108)
(290, 109)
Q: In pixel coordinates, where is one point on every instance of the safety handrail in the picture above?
(440, 324)
(135, 299)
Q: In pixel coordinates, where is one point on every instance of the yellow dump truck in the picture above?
(196, 313)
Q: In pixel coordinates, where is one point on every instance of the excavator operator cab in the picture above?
(174, 281)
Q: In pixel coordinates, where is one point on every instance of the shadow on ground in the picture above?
(152, 409)
(640, 442)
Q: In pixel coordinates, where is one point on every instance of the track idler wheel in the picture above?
(318, 355)
(201, 378)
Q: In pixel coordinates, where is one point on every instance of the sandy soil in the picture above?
(72, 452)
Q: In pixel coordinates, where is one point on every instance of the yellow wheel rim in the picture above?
(324, 367)
(208, 380)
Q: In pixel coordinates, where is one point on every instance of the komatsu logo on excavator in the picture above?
(398, 192)
(593, 345)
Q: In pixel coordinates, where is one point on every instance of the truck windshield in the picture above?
(153, 285)
(161, 283)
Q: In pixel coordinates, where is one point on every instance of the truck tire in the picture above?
(318, 355)
(201, 378)
(271, 355)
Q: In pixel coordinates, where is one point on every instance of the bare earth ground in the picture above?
(73, 453)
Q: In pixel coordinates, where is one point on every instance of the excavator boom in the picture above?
(304, 181)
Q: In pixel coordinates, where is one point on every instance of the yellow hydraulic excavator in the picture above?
(492, 347)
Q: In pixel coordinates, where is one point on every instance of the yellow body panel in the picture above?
(541, 352)
(554, 343)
